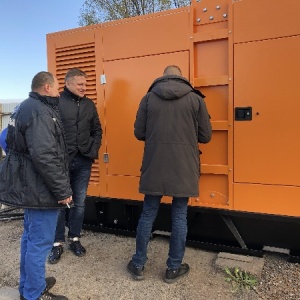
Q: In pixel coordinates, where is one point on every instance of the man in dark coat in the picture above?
(83, 136)
(34, 175)
(172, 119)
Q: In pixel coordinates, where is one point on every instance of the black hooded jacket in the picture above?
(35, 174)
(172, 119)
(81, 124)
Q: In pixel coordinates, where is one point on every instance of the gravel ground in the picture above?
(102, 275)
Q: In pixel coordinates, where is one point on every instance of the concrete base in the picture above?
(250, 264)
(7, 293)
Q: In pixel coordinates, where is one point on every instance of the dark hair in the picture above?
(74, 72)
(40, 79)
(172, 70)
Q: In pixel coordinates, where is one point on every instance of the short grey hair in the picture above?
(74, 72)
(40, 79)
(172, 70)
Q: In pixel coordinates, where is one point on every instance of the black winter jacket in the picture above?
(172, 119)
(35, 174)
(81, 124)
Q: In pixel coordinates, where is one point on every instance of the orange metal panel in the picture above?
(211, 29)
(51, 58)
(266, 149)
(211, 35)
(211, 58)
(150, 34)
(216, 101)
(213, 192)
(211, 81)
(265, 19)
(127, 188)
(214, 169)
(271, 199)
(93, 189)
(123, 187)
(80, 36)
(127, 82)
(219, 125)
(215, 152)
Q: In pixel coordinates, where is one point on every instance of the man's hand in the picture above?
(66, 201)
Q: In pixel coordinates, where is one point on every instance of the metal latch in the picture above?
(243, 113)
(105, 158)
(103, 79)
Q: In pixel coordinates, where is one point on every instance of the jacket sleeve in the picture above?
(204, 124)
(96, 134)
(47, 155)
(140, 121)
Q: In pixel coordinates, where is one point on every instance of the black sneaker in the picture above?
(49, 296)
(77, 248)
(50, 281)
(172, 275)
(55, 254)
(137, 273)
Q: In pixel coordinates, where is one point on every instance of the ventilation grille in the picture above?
(82, 57)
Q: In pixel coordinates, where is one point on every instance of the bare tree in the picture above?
(97, 11)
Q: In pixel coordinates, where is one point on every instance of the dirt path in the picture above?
(102, 275)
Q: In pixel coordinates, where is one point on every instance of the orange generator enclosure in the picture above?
(244, 56)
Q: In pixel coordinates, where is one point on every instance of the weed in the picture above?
(240, 279)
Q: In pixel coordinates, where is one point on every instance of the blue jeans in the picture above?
(178, 234)
(80, 172)
(36, 242)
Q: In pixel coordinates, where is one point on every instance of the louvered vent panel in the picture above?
(79, 56)
(82, 57)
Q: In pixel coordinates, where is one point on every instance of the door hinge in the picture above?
(103, 79)
(105, 158)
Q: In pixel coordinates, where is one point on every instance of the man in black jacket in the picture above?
(172, 119)
(83, 136)
(34, 175)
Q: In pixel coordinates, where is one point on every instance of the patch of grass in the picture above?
(240, 279)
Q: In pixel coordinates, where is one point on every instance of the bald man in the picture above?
(172, 119)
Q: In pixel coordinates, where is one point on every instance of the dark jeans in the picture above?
(80, 172)
(36, 242)
(178, 235)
